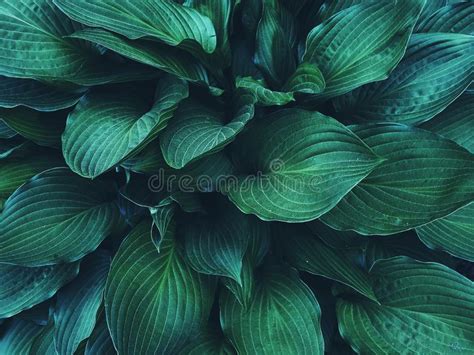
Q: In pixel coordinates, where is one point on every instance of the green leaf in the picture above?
(274, 54)
(78, 303)
(306, 79)
(330, 8)
(170, 60)
(100, 342)
(24, 287)
(283, 317)
(55, 217)
(108, 126)
(361, 44)
(167, 301)
(18, 338)
(258, 246)
(264, 96)
(164, 20)
(36, 95)
(5, 131)
(13, 147)
(302, 163)
(43, 343)
(457, 18)
(453, 234)
(36, 29)
(425, 308)
(456, 122)
(424, 177)
(210, 341)
(15, 171)
(308, 253)
(436, 69)
(42, 128)
(216, 244)
(197, 130)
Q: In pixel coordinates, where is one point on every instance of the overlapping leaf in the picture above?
(55, 217)
(301, 163)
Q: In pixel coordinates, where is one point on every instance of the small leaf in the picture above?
(433, 307)
(283, 317)
(197, 130)
(55, 217)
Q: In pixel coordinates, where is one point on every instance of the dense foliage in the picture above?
(236, 177)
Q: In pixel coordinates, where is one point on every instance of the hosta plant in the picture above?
(236, 177)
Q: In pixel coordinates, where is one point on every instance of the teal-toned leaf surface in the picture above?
(163, 20)
(435, 70)
(18, 338)
(55, 217)
(17, 170)
(197, 130)
(170, 60)
(36, 29)
(100, 342)
(306, 79)
(42, 128)
(425, 308)
(302, 162)
(78, 303)
(456, 122)
(424, 177)
(209, 341)
(106, 127)
(283, 317)
(167, 302)
(23, 287)
(5, 131)
(162, 218)
(264, 95)
(274, 54)
(308, 253)
(454, 18)
(453, 234)
(361, 44)
(43, 343)
(36, 95)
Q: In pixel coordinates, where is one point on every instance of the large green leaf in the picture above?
(166, 302)
(308, 253)
(283, 317)
(42, 128)
(457, 18)
(170, 60)
(24, 287)
(454, 233)
(426, 308)
(197, 129)
(108, 126)
(456, 122)
(361, 44)
(216, 244)
(164, 20)
(19, 337)
(301, 164)
(55, 217)
(77, 304)
(436, 69)
(36, 95)
(424, 177)
(274, 54)
(33, 46)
